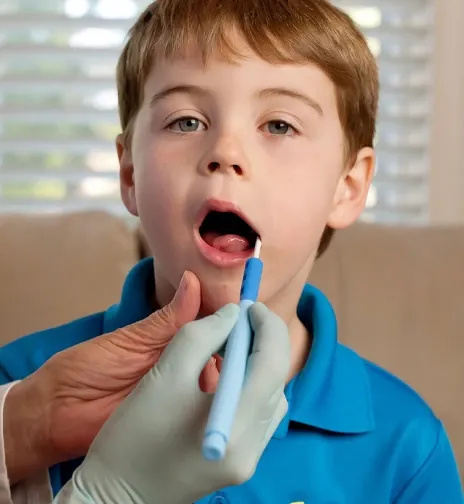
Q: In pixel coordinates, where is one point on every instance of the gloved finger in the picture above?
(253, 432)
(277, 416)
(269, 363)
(192, 347)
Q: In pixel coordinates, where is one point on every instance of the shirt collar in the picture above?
(332, 391)
(136, 299)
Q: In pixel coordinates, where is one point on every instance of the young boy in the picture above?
(257, 117)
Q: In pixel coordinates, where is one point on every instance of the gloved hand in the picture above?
(149, 451)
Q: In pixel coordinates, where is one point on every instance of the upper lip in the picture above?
(215, 205)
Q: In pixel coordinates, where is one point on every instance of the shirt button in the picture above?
(219, 499)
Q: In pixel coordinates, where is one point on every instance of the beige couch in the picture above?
(398, 292)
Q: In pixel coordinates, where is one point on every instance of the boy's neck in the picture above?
(301, 341)
(283, 304)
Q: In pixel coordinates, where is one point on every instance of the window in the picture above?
(58, 104)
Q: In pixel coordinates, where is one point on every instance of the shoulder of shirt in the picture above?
(388, 390)
(412, 437)
(404, 422)
(25, 355)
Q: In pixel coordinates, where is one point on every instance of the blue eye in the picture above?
(187, 125)
(279, 127)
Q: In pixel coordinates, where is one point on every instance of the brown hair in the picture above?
(279, 31)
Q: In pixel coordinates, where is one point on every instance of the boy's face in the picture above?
(265, 139)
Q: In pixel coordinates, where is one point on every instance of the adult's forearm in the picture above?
(25, 432)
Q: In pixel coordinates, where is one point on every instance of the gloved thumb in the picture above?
(157, 330)
(195, 343)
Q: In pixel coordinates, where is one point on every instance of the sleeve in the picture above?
(437, 480)
(5, 493)
(5, 379)
(35, 490)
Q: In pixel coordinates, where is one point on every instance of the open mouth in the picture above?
(228, 232)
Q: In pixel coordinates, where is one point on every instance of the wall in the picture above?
(447, 141)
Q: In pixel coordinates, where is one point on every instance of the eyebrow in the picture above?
(264, 93)
(181, 89)
(290, 93)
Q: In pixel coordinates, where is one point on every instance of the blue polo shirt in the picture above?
(354, 434)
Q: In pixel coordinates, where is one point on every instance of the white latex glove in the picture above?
(149, 451)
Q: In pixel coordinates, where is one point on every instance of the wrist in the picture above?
(25, 431)
(95, 483)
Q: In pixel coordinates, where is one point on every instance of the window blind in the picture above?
(58, 103)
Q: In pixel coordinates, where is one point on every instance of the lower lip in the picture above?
(219, 258)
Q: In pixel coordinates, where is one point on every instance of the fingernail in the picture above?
(181, 290)
(183, 284)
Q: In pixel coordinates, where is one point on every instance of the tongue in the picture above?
(229, 243)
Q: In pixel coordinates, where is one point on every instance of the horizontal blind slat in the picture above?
(25, 21)
(7, 176)
(65, 116)
(57, 52)
(31, 206)
(46, 145)
(52, 85)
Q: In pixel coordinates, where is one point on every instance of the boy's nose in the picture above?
(214, 166)
(227, 155)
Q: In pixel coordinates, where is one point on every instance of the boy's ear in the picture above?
(126, 175)
(352, 190)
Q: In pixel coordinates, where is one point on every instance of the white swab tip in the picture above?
(257, 251)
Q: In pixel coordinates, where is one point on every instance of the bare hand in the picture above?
(79, 388)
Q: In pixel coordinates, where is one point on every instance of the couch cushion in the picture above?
(398, 294)
(55, 268)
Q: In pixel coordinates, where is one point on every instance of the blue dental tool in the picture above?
(225, 402)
